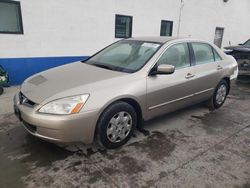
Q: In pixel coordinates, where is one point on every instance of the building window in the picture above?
(218, 37)
(10, 17)
(123, 26)
(166, 28)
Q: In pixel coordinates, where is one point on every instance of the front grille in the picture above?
(25, 101)
(30, 127)
(241, 55)
(244, 64)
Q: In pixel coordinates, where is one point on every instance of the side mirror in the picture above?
(163, 69)
(240, 44)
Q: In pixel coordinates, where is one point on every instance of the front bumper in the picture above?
(244, 72)
(57, 128)
(244, 66)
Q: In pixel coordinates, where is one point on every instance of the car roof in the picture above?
(154, 39)
(163, 40)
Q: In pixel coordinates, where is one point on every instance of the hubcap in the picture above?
(221, 94)
(119, 127)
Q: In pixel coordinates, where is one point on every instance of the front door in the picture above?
(166, 93)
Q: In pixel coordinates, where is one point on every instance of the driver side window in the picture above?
(177, 55)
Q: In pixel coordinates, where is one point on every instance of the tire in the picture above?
(219, 95)
(116, 125)
(1, 90)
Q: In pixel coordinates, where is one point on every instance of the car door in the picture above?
(166, 93)
(207, 70)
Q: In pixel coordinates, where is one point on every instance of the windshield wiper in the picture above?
(102, 66)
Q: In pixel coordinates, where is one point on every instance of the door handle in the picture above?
(189, 75)
(219, 67)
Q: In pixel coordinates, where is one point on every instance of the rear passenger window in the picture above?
(203, 53)
(217, 57)
(176, 55)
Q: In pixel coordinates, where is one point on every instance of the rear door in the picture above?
(207, 69)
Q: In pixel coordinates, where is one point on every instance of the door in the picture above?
(218, 36)
(207, 70)
(166, 93)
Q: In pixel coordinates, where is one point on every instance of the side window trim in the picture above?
(191, 54)
(214, 51)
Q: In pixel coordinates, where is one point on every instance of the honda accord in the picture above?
(111, 93)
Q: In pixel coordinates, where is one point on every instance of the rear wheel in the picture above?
(219, 96)
(116, 125)
(1, 90)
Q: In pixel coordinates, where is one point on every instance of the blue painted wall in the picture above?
(21, 68)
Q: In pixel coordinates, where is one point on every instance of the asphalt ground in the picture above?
(192, 147)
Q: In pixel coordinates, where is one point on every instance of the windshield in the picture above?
(247, 43)
(125, 56)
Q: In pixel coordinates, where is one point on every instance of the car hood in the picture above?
(65, 79)
(240, 48)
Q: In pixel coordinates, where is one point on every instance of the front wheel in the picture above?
(116, 125)
(219, 96)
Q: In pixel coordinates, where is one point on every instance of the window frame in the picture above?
(222, 36)
(171, 27)
(193, 54)
(215, 52)
(130, 25)
(18, 3)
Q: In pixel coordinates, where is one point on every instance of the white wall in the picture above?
(81, 27)
(200, 18)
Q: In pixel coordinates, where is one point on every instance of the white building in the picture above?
(39, 34)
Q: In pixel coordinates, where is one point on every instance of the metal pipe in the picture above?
(180, 14)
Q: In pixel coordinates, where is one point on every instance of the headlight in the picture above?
(68, 105)
(227, 50)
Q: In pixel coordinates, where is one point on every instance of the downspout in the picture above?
(180, 13)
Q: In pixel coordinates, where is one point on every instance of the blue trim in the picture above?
(21, 68)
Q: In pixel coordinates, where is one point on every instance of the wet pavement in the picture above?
(192, 147)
